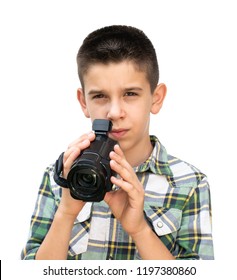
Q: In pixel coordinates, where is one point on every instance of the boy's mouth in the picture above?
(118, 133)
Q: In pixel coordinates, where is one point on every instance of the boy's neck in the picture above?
(138, 155)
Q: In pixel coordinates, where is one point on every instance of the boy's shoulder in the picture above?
(185, 174)
(179, 172)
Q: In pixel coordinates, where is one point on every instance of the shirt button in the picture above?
(159, 224)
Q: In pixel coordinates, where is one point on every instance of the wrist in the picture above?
(69, 207)
(63, 215)
(142, 233)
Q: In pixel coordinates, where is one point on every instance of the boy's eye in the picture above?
(98, 96)
(130, 93)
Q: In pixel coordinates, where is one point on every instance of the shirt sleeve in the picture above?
(45, 208)
(194, 239)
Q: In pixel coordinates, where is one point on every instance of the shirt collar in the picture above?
(158, 160)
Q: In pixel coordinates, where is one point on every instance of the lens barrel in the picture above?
(89, 176)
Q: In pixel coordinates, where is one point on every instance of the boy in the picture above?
(162, 208)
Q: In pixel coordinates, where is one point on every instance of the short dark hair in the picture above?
(117, 43)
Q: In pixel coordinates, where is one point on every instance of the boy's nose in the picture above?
(115, 111)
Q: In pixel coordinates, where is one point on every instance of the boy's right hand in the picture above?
(68, 204)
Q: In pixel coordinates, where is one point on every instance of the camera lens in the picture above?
(86, 180)
(89, 176)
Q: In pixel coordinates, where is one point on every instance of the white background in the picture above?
(40, 116)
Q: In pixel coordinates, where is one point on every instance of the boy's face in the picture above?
(120, 93)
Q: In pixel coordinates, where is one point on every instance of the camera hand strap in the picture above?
(58, 168)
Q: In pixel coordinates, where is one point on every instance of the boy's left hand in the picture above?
(126, 203)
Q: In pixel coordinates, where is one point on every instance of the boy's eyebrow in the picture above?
(133, 88)
(95, 91)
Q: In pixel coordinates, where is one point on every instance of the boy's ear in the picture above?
(82, 101)
(158, 98)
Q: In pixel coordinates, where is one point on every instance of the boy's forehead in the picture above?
(113, 65)
(124, 71)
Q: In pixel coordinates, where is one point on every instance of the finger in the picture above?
(128, 180)
(118, 150)
(119, 182)
(90, 136)
(135, 194)
(76, 149)
(71, 154)
(120, 165)
(79, 144)
(124, 171)
(119, 157)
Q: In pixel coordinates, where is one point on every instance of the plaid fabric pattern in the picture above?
(177, 207)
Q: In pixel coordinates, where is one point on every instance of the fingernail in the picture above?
(90, 133)
(85, 141)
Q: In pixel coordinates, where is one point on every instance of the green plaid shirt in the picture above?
(177, 207)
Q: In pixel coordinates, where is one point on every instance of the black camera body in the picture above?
(89, 176)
